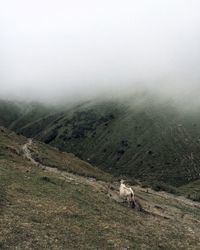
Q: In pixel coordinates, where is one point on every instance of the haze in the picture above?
(61, 49)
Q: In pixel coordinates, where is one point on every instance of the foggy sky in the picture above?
(65, 49)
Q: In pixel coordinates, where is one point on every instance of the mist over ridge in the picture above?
(58, 51)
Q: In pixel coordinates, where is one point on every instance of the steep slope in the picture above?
(17, 114)
(42, 209)
(148, 140)
(142, 137)
(9, 112)
(191, 190)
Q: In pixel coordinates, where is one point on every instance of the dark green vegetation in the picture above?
(17, 114)
(191, 190)
(43, 210)
(149, 140)
(9, 112)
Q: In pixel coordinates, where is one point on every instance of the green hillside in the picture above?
(147, 142)
(18, 114)
(59, 206)
(142, 138)
(9, 112)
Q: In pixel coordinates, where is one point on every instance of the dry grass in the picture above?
(42, 210)
(52, 157)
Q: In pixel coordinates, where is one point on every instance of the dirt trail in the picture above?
(69, 177)
(111, 190)
(27, 152)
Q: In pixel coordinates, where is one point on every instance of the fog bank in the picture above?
(75, 50)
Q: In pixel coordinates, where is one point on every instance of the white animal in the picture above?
(126, 193)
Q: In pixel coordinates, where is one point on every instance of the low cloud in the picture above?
(65, 50)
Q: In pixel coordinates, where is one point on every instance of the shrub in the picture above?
(194, 196)
(161, 186)
(145, 185)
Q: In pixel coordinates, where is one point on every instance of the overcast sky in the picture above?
(51, 49)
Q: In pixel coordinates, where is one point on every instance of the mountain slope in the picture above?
(40, 209)
(9, 112)
(141, 138)
(147, 141)
(17, 114)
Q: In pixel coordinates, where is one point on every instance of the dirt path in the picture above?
(27, 152)
(69, 177)
(112, 189)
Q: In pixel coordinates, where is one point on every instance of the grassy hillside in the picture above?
(42, 209)
(140, 137)
(30, 112)
(191, 190)
(9, 112)
(147, 141)
(18, 114)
